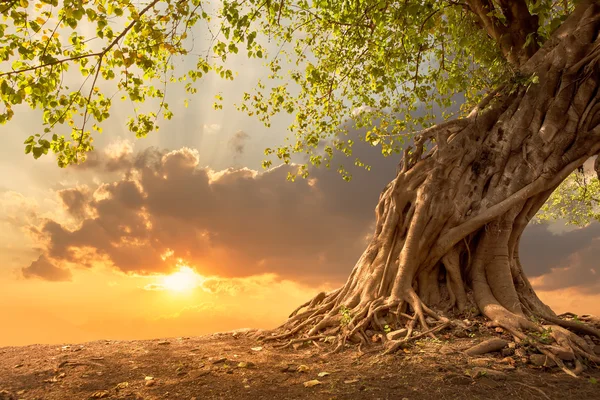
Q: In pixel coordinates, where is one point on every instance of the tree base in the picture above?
(562, 347)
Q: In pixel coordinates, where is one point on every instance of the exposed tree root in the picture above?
(448, 226)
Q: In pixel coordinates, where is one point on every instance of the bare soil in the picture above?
(235, 366)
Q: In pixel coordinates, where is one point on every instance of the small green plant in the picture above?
(576, 319)
(387, 329)
(346, 315)
(593, 381)
(545, 336)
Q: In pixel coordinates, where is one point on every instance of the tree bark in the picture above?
(449, 224)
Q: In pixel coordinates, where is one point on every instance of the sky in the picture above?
(182, 233)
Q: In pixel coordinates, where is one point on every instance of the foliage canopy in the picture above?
(380, 64)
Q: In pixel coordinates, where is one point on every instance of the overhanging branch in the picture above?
(516, 34)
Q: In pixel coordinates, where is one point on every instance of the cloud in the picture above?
(44, 269)
(75, 201)
(238, 142)
(230, 223)
(569, 259)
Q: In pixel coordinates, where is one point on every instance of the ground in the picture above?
(234, 365)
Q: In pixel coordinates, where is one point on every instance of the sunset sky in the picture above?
(182, 233)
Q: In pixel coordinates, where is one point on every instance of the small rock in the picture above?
(302, 368)
(541, 360)
(512, 345)
(289, 368)
(490, 373)
(245, 364)
(396, 335)
(312, 383)
(487, 346)
(507, 352)
(150, 382)
(499, 330)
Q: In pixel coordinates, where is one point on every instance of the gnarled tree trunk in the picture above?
(449, 223)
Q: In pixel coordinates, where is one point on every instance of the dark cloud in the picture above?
(44, 269)
(75, 201)
(235, 222)
(562, 260)
(238, 142)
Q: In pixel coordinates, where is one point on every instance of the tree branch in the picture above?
(517, 36)
(79, 57)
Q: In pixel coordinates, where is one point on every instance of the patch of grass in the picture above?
(346, 316)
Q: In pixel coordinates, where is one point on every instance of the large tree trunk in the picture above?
(449, 224)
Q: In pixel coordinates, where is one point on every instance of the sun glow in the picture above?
(183, 280)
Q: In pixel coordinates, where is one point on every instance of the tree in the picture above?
(449, 224)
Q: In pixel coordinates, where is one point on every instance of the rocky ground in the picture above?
(234, 366)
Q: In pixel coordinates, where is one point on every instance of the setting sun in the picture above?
(181, 281)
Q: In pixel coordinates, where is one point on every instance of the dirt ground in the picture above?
(235, 366)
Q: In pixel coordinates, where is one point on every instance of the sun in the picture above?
(183, 280)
